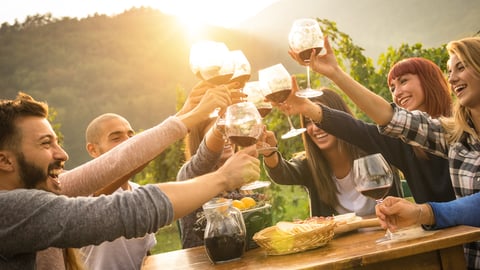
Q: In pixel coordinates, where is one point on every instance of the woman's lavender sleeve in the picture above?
(122, 160)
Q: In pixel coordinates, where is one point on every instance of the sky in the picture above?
(226, 13)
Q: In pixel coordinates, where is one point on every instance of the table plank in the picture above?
(347, 251)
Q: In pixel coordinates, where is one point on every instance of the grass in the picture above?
(290, 202)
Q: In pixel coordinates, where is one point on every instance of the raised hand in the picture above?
(195, 96)
(324, 63)
(267, 137)
(241, 168)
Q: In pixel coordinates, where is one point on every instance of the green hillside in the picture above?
(129, 64)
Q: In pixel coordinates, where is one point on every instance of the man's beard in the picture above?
(30, 175)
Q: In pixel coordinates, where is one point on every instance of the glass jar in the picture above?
(225, 231)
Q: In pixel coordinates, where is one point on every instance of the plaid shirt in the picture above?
(417, 128)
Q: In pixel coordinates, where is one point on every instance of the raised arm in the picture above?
(375, 106)
(130, 156)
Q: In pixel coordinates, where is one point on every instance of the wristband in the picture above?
(271, 154)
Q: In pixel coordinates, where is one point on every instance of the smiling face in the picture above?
(407, 92)
(464, 82)
(105, 132)
(322, 139)
(40, 158)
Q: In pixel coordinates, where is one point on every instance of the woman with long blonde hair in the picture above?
(456, 138)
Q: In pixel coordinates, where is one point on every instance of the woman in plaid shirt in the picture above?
(456, 138)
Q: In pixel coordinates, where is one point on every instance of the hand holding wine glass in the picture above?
(212, 62)
(256, 92)
(304, 37)
(373, 178)
(243, 127)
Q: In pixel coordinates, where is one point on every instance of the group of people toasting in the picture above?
(432, 139)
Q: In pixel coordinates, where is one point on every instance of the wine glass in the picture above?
(243, 127)
(373, 178)
(305, 35)
(279, 84)
(242, 68)
(211, 61)
(256, 92)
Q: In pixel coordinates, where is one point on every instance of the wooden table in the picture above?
(441, 250)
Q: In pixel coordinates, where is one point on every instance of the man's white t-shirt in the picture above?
(121, 253)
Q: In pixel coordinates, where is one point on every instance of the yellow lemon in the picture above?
(238, 204)
(249, 202)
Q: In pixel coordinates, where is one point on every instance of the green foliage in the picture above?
(164, 168)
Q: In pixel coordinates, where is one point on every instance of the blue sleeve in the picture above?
(462, 211)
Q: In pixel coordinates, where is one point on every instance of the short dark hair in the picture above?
(12, 110)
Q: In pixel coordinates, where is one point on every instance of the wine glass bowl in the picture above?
(211, 61)
(256, 92)
(243, 124)
(278, 81)
(279, 84)
(242, 69)
(305, 36)
(373, 176)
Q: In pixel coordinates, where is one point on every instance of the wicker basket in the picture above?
(279, 242)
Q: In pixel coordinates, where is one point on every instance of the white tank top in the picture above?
(351, 200)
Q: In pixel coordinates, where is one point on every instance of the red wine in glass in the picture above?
(279, 96)
(305, 54)
(243, 141)
(264, 111)
(306, 35)
(376, 193)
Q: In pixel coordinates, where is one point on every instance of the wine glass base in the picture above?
(255, 185)
(308, 93)
(383, 239)
(293, 132)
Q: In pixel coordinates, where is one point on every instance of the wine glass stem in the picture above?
(289, 121)
(388, 233)
(308, 77)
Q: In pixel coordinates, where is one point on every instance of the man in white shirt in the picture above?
(102, 134)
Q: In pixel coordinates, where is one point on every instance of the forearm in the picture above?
(186, 196)
(122, 160)
(293, 172)
(204, 161)
(272, 161)
(78, 222)
(375, 106)
(215, 140)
